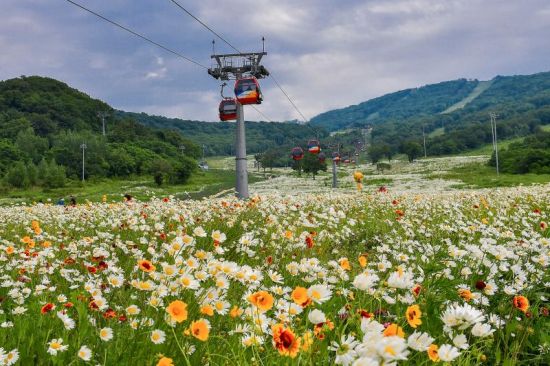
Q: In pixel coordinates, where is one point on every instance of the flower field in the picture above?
(371, 278)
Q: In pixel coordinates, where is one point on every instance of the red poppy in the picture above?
(47, 308)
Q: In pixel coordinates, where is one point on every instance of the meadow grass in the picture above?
(201, 184)
(362, 260)
(483, 176)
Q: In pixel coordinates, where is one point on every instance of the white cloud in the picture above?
(326, 54)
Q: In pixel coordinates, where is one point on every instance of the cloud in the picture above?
(326, 54)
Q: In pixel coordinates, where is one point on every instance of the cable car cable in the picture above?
(204, 25)
(137, 34)
(238, 51)
(288, 97)
(260, 112)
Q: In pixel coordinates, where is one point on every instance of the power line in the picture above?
(138, 35)
(238, 51)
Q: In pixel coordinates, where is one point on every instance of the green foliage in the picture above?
(522, 103)
(44, 122)
(219, 136)
(532, 155)
(412, 149)
(17, 176)
(312, 165)
(383, 166)
(427, 100)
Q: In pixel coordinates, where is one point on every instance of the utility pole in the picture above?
(237, 66)
(83, 147)
(203, 151)
(494, 133)
(102, 115)
(334, 170)
(424, 137)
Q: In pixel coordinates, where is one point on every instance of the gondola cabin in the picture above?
(297, 153)
(322, 157)
(313, 146)
(336, 157)
(228, 110)
(247, 91)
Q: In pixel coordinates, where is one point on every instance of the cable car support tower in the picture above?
(234, 67)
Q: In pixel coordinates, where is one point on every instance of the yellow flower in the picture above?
(362, 261)
(413, 316)
(235, 312)
(207, 310)
(432, 352)
(177, 310)
(344, 263)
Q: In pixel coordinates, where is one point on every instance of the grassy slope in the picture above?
(480, 88)
(483, 176)
(201, 184)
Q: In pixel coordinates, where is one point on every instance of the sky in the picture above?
(326, 54)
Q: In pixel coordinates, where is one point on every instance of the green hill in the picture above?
(427, 100)
(218, 136)
(453, 115)
(43, 123)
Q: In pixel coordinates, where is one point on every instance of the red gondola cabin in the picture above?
(228, 110)
(297, 153)
(247, 91)
(313, 146)
(322, 157)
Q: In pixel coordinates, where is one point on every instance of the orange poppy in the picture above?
(465, 294)
(521, 303)
(262, 300)
(177, 310)
(165, 361)
(47, 308)
(146, 266)
(285, 341)
(200, 329)
(394, 330)
(300, 297)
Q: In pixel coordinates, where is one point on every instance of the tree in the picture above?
(269, 159)
(56, 175)
(17, 176)
(182, 170)
(32, 174)
(311, 164)
(161, 170)
(376, 152)
(412, 149)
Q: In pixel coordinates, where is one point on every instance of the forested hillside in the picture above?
(218, 136)
(521, 102)
(44, 122)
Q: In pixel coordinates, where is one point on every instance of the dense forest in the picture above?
(218, 136)
(44, 122)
